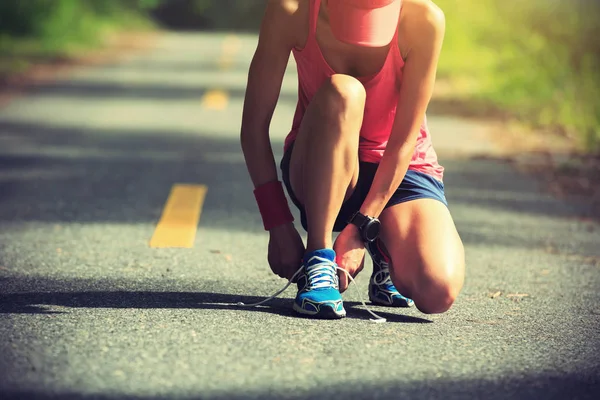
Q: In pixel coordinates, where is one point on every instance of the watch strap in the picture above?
(359, 219)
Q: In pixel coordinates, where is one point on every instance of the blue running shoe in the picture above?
(318, 287)
(382, 291)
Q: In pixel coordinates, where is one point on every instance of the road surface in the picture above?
(88, 309)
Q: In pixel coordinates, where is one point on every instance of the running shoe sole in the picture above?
(324, 311)
(396, 302)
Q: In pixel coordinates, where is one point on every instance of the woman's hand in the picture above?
(350, 254)
(286, 250)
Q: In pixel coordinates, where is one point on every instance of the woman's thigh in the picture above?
(427, 254)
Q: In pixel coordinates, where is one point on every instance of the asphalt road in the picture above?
(89, 310)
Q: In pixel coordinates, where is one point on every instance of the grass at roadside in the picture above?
(537, 61)
(64, 30)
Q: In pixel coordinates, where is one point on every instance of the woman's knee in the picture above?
(435, 290)
(343, 95)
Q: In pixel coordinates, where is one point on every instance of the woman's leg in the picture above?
(324, 160)
(428, 261)
(323, 172)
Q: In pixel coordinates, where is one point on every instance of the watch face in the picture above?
(372, 230)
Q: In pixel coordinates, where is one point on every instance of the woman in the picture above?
(358, 158)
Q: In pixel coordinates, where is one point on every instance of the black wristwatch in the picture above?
(367, 226)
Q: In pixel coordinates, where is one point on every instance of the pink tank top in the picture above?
(382, 88)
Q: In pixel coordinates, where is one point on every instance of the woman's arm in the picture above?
(425, 27)
(265, 77)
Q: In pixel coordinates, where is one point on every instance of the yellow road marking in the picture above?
(231, 44)
(179, 221)
(230, 47)
(215, 99)
(218, 99)
(225, 62)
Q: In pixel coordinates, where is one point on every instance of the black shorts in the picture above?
(415, 185)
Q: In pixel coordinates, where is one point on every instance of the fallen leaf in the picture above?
(517, 296)
(228, 257)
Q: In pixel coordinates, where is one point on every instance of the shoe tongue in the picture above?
(328, 254)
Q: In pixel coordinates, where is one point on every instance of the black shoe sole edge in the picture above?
(403, 305)
(324, 313)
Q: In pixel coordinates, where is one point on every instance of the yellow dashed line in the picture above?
(219, 99)
(179, 221)
(225, 62)
(231, 45)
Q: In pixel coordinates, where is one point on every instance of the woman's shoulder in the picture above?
(290, 10)
(289, 16)
(419, 19)
(285, 7)
(421, 9)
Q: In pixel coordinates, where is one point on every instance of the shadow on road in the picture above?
(79, 174)
(526, 386)
(164, 93)
(196, 67)
(60, 174)
(101, 294)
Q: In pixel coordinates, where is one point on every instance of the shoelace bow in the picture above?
(320, 275)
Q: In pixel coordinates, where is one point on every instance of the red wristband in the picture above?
(273, 205)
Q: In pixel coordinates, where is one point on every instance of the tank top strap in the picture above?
(395, 48)
(315, 7)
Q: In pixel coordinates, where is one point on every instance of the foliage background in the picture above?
(537, 61)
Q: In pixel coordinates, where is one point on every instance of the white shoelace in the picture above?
(382, 277)
(326, 280)
(321, 275)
